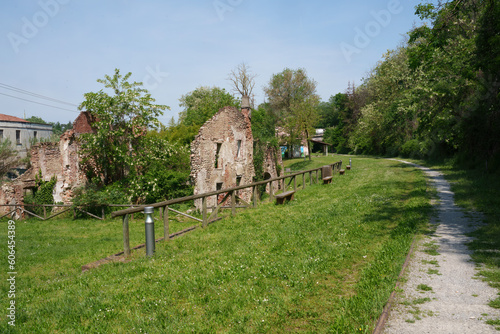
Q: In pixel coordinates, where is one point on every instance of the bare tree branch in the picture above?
(242, 79)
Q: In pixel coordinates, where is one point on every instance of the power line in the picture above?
(43, 104)
(22, 91)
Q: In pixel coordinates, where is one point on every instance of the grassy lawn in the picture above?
(325, 262)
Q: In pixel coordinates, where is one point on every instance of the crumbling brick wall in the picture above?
(222, 155)
(11, 193)
(82, 123)
(59, 159)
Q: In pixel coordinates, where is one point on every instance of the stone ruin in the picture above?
(222, 156)
(59, 159)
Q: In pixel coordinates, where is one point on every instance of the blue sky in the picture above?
(59, 48)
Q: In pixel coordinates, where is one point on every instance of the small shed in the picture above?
(321, 145)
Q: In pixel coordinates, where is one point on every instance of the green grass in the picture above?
(421, 300)
(433, 262)
(431, 248)
(325, 262)
(433, 271)
(495, 323)
(424, 287)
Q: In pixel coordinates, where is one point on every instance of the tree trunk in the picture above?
(308, 144)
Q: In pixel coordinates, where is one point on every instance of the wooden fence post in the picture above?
(310, 179)
(303, 180)
(255, 196)
(44, 212)
(126, 240)
(233, 203)
(166, 225)
(295, 183)
(271, 190)
(204, 211)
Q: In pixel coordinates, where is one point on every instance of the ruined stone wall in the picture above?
(222, 155)
(60, 159)
(11, 193)
(52, 159)
(82, 123)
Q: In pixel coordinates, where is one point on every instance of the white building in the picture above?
(22, 133)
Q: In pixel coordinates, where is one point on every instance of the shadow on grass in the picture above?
(406, 219)
(301, 165)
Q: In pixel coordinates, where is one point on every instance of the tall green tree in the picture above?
(121, 120)
(202, 103)
(293, 101)
(483, 125)
(199, 106)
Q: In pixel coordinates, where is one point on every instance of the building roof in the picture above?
(320, 142)
(8, 118)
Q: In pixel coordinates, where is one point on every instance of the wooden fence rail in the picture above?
(229, 192)
(21, 208)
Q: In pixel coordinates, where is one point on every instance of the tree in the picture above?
(36, 119)
(199, 106)
(8, 157)
(293, 100)
(59, 129)
(121, 121)
(242, 80)
(483, 125)
(202, 103)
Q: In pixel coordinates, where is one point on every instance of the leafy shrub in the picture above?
(159, 184)
(42, 194)
(410, 149)
(93, 198)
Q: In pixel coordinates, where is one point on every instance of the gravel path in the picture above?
(442, 293)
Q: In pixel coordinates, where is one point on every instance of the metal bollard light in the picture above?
(150, 231)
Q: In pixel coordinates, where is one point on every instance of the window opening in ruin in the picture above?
(217, 155)
(34, 134)
(18, 137)
(218, 186)
(1, 134)
(239, 147)
(238, 179)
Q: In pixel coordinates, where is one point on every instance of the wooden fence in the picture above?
(229, 192)
(22, 208)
